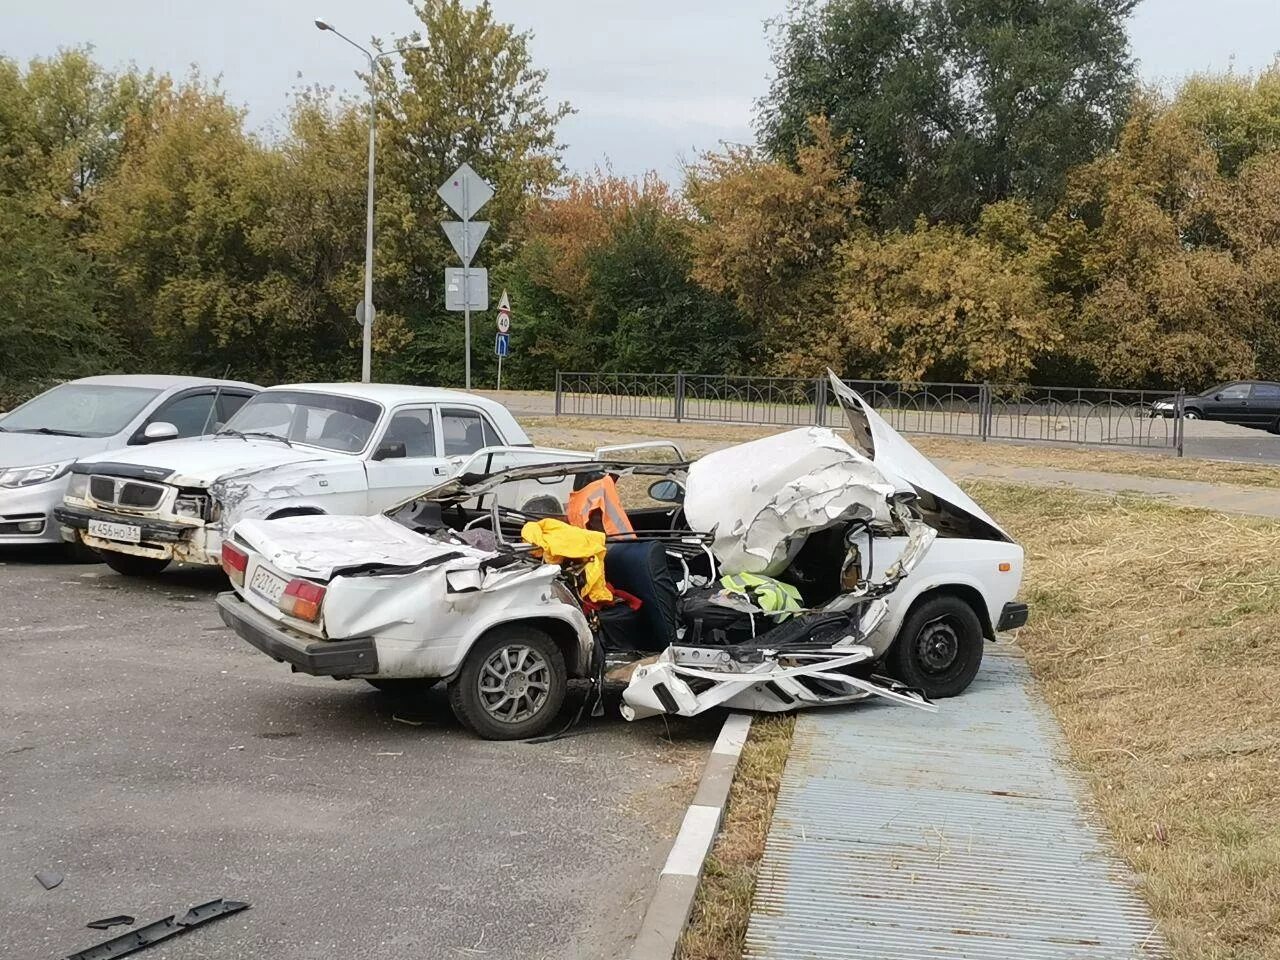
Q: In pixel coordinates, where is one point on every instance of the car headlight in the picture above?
(29, 476)
(78, 486)
(193, 507)
(1162, 405)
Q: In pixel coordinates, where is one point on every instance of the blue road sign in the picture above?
(502, 345)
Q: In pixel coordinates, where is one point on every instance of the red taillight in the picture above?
(302, 599)
(234, 561)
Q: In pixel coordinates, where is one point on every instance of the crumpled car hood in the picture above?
(897, 458)
(760, 499)
(316, 546)
(200, 461)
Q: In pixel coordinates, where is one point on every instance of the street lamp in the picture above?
(373, 58)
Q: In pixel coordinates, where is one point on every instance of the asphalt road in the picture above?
(158, 762)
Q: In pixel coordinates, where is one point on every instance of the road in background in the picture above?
(157, 761)
(1203, 439)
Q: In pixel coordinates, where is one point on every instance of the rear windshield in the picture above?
(322, 420)
(80, 410)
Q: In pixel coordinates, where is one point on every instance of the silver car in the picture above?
(40, 439)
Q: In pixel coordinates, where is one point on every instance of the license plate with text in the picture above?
(267, 584)
(120, 532)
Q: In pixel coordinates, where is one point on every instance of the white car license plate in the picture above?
(120, 532)
(267, 584)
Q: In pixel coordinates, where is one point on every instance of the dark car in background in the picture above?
(1249, 403)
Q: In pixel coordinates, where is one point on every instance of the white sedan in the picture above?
(302, 449)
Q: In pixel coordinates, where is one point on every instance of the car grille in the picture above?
(126, 493)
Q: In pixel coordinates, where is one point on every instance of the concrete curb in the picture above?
(672, 901)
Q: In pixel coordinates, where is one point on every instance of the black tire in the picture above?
(1192, 414)
(939, 648)
(1274, 426)
(133, 566)
(81, 552)
(479, 709)
(402, 686)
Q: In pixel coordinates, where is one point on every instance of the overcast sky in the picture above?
(653, 81)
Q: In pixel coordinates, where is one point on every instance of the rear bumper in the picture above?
(1013, 616)
(319, 658)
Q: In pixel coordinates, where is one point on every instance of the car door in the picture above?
(394, 475)
(1230, 404)
(1264, 401)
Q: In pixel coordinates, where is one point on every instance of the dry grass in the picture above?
(1101, 461)
(719, 921)
(1155, 632)
(698, 438)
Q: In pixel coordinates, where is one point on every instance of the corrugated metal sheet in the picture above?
(903, 834)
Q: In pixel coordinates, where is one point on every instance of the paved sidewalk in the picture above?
(957, 834)
(1257, 501)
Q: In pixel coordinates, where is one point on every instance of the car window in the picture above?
(416, 429)
(466, 431)
(1268, 391)
(189, 414)
(80, 409)
(325, 420)
(1237, 391)
(229, 404)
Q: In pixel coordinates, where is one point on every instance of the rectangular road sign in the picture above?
(465, 235)
(502, 345)
(477, 297)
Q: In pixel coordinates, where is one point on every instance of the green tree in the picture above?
(948, 105)
(48, 325)
(768, 237)
(173, 236)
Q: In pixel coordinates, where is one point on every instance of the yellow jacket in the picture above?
(557, 540)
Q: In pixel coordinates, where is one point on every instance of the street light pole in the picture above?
(366, 359)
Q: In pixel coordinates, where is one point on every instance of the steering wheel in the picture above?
(350, 440)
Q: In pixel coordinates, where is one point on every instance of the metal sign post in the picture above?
(502, 345)
(466, 192)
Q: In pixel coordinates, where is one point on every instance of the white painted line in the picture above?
(733, 735)
(693, 841)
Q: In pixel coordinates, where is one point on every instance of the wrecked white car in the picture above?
(306, 449)
(788, 572)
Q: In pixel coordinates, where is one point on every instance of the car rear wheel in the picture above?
(939, 648)
(133, 566)
(512, 684)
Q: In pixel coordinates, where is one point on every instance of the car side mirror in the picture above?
(1217, 396)
(159, 430)
(666, 491)
(391, 450)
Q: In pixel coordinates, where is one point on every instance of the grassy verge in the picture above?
(1155, 633)
(719, 921)
(698, 438)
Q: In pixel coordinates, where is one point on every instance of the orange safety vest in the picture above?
(600, 497)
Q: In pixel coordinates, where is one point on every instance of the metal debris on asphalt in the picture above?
(159, 930)
(48, 878)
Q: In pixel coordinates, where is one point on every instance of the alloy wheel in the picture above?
(514, 683)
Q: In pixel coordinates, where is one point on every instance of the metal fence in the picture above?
(982, 411)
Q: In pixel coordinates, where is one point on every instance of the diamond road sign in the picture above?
(477, 284)
(465, 192)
